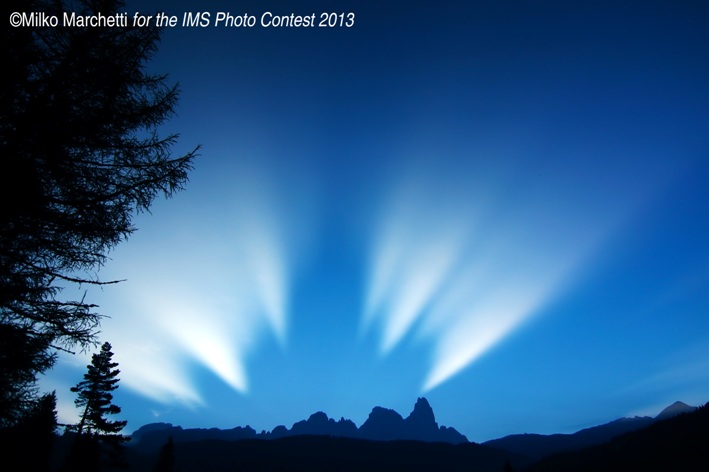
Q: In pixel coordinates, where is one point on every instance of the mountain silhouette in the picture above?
(673, 440)
(386, 425)
(382, 424)
(318, 425)
(421, 423)
(677, 408)
(677, 442)
(536, 446)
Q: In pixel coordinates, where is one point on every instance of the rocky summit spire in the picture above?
(420, 425)
(422, 414)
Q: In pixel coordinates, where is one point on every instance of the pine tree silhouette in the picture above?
(95, 395)
(95, 430)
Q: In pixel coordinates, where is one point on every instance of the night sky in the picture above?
(502, 206)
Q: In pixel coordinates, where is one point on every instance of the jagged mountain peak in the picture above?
(420, 425)
(422, 413)
(382, 424)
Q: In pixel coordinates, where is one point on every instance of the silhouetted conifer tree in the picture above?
(96, 434)
(95, 397)
(80, 153)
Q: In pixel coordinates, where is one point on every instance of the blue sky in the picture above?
(499, 205)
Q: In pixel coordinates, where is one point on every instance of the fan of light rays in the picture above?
(463, 279)
(210, 289)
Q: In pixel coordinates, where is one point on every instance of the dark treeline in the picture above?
(321, 453)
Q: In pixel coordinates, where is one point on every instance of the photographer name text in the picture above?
(199, 19)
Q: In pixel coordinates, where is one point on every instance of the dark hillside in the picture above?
(679, 443)
(320, 453)
(537, 446)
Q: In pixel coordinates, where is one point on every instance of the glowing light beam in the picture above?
(430, 277)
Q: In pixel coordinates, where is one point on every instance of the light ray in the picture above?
(420, 279)
(152, 372)
(212, 290)
(266, 261)
(474, 332)
(465, 291)
(409, 267)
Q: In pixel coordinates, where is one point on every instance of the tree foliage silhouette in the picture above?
(95, 429)
(21, 357)
(95, 397)
(81, 153)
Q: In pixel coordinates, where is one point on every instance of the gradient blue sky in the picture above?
(503, 206)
